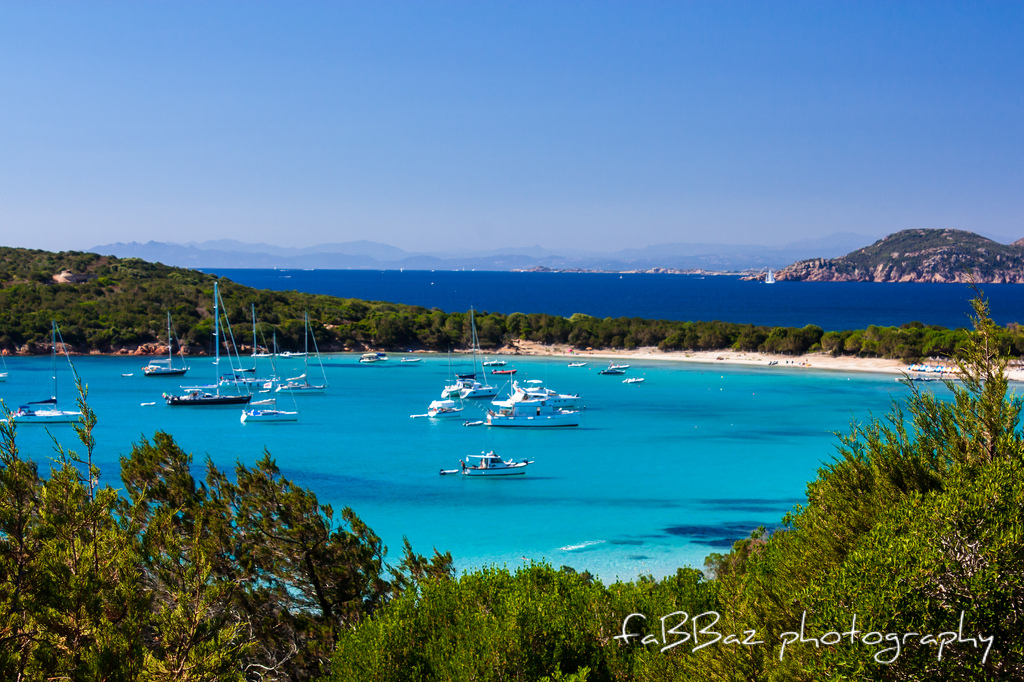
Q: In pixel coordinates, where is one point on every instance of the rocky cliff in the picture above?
(919, 256)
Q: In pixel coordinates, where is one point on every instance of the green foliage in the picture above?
(535, 623)
(176, 579)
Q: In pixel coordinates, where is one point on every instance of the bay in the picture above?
(834, 306)
(656, 476)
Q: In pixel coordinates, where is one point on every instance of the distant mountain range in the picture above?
(919, 256)
(366, 255)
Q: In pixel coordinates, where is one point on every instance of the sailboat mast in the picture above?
(216, 332)
(472, 326)
(53, 358)
(305, 344)
(170, 351)
(253, 335)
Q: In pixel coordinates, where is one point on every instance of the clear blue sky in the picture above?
(442, 125)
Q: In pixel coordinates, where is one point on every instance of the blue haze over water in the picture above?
(830, 305)
(657, 475)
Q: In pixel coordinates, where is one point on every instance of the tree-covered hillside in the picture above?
(114, 304)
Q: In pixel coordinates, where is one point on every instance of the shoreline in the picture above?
(817, 361)
(721, 357)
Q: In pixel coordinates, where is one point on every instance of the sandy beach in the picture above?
(817, 361)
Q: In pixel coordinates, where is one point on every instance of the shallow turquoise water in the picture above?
(656, 476)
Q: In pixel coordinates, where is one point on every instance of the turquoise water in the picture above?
(656, 476)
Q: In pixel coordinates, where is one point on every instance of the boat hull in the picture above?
(163, 372)
(206, 400)
(484, 473)
(532, 421)
(268, 416)
(47, 417)
(300, 388)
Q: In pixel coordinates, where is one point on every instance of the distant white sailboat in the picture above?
(770, 277)
(300, 384)
(166, 368)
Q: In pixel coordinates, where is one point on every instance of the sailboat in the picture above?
(301, 383)
(770, 277)
(3, 374)
(166, 368)
(266, 411)
(245, 376)
(473, 388)
(45, 411)
(198, 396)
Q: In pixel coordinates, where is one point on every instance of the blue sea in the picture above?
(658, 475)
(830, 305)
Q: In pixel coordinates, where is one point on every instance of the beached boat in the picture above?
(46, 411)
(530, 413)
(265, 411)
(301, 384)
(369, 358)
(207, 396)
(490, 465)
(166, 368)
(534, 389)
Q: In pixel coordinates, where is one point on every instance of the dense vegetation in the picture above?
(124, 304)
(906, 563)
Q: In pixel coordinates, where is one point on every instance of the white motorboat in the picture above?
(301, 384)
(439, 409)
(475, 391)
(612, 369)
(494, 363)
(633, 380)
(577, 364)
(46, 411)
(490, 465)
(265, 411)
(166, 368)
(411, 359)
(530, 413)
(534, 389)
(370, 358)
